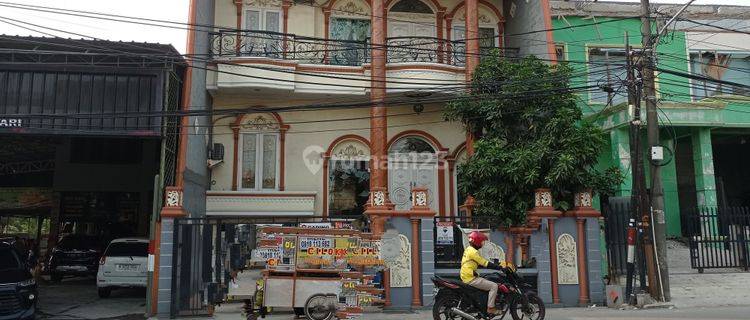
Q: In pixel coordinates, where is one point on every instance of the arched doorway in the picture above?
(412, 162)
(411, 18)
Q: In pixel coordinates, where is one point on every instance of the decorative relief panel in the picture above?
(263, 3)
(567, 260)
(350, 150)
(396, 252)
(351, 8)
(259, 122)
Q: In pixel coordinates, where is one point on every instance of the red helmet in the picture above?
(476, 239)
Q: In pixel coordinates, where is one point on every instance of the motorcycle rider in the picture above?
(472, 260)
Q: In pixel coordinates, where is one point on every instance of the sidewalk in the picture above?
(231, 312)
(714, 287)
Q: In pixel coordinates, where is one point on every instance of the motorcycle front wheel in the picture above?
(533, 310)
(442, 308)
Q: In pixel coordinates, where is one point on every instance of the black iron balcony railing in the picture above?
(232, 43)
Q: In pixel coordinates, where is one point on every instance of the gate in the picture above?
(719, 237)
(206, 250)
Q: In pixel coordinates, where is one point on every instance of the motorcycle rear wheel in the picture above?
(533, 311)
(442, 308)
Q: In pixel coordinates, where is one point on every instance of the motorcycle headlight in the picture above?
(27, 283)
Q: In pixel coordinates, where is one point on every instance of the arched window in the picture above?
(411, 6)
(411, 144)
(348, 178)
(259, 154)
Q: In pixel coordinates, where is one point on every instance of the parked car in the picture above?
(123, 265)
(18, 293)
(76, 255)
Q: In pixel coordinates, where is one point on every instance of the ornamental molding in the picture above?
(350, 151)
(351, 8)
(399, 262)
(264, 3)
(259, 123)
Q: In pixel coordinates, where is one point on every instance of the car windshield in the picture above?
(9, 260)
(127, 249)
(78, 243)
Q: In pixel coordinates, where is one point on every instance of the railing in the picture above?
(274, 45)
(288, 47)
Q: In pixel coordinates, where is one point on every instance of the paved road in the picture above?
(77, 298)
(230, 312)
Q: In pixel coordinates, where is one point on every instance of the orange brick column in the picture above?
(472, 37)
(416, 293)
(379, 205)
(553, 260)
(583, 271)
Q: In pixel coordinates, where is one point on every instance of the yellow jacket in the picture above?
(470, 263)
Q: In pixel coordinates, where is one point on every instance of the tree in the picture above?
(531, 135)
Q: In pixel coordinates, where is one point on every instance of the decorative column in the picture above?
(583, 286)
(326, 30)
(543, 208)
(420, 208)
(449, 46)
(472, 37)
(236, 152)
(282, 156)
(451, 184)
(440, 34)
(378, 123)
(238, 42)
(583, 209)
(285, 23)
(415, 272)
(553, 260)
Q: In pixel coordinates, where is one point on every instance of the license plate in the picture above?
(127, 267)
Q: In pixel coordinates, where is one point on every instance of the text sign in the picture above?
(444, 233)
(11, 123)
(315, 242)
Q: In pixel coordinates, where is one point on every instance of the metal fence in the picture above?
(616, 212)
(448, 253)
(205, 251)
(718, 237)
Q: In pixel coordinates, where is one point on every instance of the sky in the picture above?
(172, 10)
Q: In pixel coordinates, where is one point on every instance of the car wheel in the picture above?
(56, 277)
(104, 292)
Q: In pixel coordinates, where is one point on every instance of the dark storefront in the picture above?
(88, 137)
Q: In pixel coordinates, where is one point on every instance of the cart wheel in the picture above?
(319, 307)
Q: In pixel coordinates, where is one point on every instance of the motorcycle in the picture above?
(458, 300)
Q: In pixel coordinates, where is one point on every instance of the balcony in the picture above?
(307, 50)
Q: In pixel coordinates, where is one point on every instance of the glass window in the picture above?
(560, 52)
(252, 19)
(259, 161)
(249, 151)
(412, 6)
(348, 187)
(607, 71)
(721, 66)
(272, 21)
(412, 145)
(352, 51)
(8, 259)
(127, 249)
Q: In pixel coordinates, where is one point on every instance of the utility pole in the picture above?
(655, 221)
(635, 192)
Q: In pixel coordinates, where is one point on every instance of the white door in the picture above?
(405, 175)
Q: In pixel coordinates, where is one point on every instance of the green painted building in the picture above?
(705, 127)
